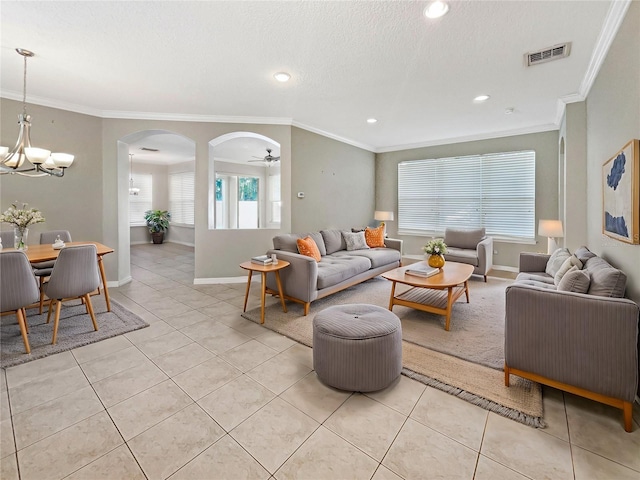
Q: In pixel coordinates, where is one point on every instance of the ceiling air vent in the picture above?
(552, 53)
(147, 149)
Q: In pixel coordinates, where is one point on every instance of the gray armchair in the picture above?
(470, 246)
(7, 239)
(75, 275)
(18, 288)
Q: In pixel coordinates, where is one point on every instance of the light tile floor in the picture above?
(204, 394)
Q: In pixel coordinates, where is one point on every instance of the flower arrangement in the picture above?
(435, 247)
(21, 218)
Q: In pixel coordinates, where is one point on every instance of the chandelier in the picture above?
(24, 159)
(132, 189)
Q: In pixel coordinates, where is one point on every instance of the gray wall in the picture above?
(546, 148)
(613, 118)
(73, 202)
(338, 181)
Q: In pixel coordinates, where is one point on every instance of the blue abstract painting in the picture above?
(620, 207)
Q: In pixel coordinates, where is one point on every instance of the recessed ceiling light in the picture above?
(371, 120)
(481, 98)
(436, 9)
(282, 76)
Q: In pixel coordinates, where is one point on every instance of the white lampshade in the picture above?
(37, 155)
(3, 152)
(550, 228)
(383, 216)
(62, 160)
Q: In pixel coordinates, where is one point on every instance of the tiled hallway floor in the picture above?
(204, 394)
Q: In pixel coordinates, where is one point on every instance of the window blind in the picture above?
(495, 191)
(181, 204)
(138, 204)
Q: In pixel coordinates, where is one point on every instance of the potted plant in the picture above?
(436, 249)
(158, 223)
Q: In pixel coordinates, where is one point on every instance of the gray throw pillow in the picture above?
(575, 280)
(569, 263)
(355, 241)
(584, 254)
(556, 260)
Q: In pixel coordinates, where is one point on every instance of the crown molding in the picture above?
(47, 102)
(612, 22)
(615, 16)
(324, 133)
(179, 117)
(548, 127)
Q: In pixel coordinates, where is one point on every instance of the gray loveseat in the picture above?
(583, 343)
(470, 246)
(306, 280)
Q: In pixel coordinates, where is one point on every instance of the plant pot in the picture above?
(436, 261)
(157, 237)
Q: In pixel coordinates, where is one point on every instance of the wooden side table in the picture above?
(264, 269)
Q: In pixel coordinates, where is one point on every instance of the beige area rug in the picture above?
(466, 361)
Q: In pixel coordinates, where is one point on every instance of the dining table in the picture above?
(45, 252)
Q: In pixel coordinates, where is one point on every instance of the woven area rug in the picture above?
(75, 330)
(466, 361)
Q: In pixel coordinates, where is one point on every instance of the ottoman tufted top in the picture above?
(356, 321)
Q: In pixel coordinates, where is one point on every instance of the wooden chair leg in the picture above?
(24, 315)
(41, 295)
(55, 322)
(627, 411)
(51, 303)
(91, 313)
(23, 329)
(306, 308)
(506, 375)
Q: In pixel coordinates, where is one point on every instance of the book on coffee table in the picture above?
(421, 270)
(262, 260)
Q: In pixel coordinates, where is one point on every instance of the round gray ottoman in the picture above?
(357, 347)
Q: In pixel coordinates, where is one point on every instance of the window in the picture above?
(181, 187)
(138, 204)
(495, 191)
(237, 204)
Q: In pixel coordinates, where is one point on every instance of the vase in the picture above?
(20, 236)
(436, 261)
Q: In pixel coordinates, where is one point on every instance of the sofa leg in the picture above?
(306, 308)
(506, 375)
(485, 279)
(627, 411)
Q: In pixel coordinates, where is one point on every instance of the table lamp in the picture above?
(551, 229)
(383, 216)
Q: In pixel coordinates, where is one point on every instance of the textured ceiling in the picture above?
(349, 61)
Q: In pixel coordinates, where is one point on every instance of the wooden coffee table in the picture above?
(435, 294)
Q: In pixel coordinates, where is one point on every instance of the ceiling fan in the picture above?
(267, 159)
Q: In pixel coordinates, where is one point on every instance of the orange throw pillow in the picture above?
(306, 246)
(374, 236)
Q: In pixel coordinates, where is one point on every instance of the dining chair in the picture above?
(75, 275)
(43, 269)
(18, 288)
(7, 239)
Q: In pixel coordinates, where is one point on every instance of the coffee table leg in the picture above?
(263, 295)
(246, 294)
(449, 305)
(279, 283)
(393, 292)
(466, 290)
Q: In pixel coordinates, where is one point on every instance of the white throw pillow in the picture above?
(355, 241)
(556, 260)
(575, 280)
(568, 264)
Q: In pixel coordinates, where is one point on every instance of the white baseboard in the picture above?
(214, 281)
(186, 244)
(119, 283)
(505, 268)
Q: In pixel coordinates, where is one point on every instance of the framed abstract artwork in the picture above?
(621, 194)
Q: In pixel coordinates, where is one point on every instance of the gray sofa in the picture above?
(306, 280)
(583, 343)
(470, 246)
